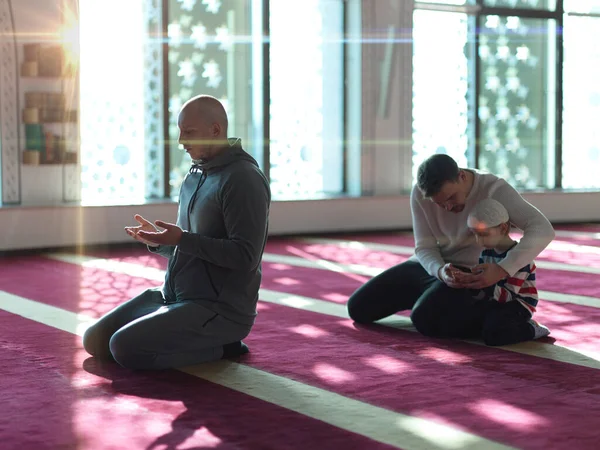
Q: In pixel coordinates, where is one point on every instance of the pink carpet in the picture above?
(54, 396)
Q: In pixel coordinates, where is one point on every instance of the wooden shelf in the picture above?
(51, 89)
(50, 164)
(50, 123)
(50, 78)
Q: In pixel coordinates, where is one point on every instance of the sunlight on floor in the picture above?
(387, 364)
(519, 413)
(281, 267)
(126, 420)
(286, 281)
(445, 356)
(563, 246)
(125, 268)
(336, 298)
(201, 435)
(441, 436)
(510, 416)
(83, 323)
(310, 331)
(578, 235)
(342, 254)
(584, 355)
(296, 302)
(332, 374)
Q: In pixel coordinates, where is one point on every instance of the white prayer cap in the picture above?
(488, 213)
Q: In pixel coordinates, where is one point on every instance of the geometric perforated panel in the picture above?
(201, 48)
(516, 99)
(9, 113)
(153, 100)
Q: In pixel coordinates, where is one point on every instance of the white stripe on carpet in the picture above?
(378, 424)
(571, 247)
(408, 251)
(578, 234)
(539, 349)
(158, 274)
(583, 300)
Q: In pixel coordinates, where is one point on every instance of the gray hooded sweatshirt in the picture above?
(223, 210)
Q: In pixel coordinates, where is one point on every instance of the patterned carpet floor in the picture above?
(313, 379)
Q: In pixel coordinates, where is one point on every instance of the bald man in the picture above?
(207, 303)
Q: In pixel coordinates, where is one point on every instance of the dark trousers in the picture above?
(437, 309)
(146, 333)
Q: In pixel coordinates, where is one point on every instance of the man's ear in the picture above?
(505, 228)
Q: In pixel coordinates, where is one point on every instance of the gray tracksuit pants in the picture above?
(146, 333)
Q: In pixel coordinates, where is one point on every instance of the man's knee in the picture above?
(357, 310)
(94, 343)
(428, 313)
(424, 321)
(127, 351)
(88, 341)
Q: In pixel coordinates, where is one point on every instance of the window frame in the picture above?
(478, 11)
(266, 94)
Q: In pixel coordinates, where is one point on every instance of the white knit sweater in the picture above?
(443, 237)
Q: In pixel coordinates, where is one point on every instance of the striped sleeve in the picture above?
(528, 294)
(502, 294)
(516, 283)
(521, 287)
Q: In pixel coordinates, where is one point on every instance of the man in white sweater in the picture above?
(441, 201)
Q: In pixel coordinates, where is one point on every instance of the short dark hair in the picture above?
(436, 171)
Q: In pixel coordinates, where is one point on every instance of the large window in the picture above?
(121, 101)
(527, 60)
(581, 91)
(306, 98)
(449, 2)
(582, 6)
(217, 48)
(442, 75)
(508, 86)
(112, 92)
(525, 4)
(517, 94)
(213, 49)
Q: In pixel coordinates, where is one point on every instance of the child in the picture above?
(511, 303)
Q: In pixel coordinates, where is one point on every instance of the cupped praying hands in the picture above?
(144, 225)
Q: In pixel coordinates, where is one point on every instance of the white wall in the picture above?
(30, 227)
(386, 97)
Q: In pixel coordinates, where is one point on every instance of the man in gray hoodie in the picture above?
(207, 303)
